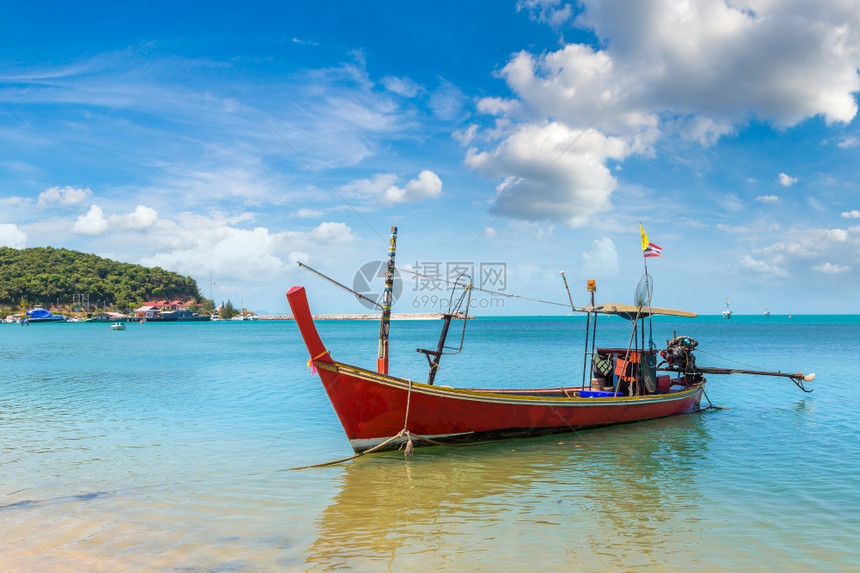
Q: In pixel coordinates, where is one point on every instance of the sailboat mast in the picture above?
(385, 322)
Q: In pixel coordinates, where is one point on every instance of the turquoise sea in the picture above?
(169, 447)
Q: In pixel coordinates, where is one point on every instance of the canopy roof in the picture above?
(38, 313)
(631, 312)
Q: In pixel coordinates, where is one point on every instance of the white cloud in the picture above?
(728, 59)
(496, 106)
(12, 236)
(852, 214)
(848, 142)
(195, 245)
(763, 268)
(383, 188)
(552, 12)
(232, 253)
(298, 257)
(447, 101)
(402, 86)
(308, 213)
(786, 180)
(63, 196)
(767, 199)
(426, 186)
(602, 260)
(372, 187)
(831, 269)
(93, 223)
(838, 235)
(139, 219)
(696, 70)
(331, 233)
(551, 173)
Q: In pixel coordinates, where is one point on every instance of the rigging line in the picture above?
(492, 292)
(550, 164)
(344, 287)
(750, 366)
(317, 173)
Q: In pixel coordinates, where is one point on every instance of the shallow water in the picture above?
(168, 447)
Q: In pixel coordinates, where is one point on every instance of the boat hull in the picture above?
(373, 408)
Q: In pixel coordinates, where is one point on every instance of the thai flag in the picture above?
(652, 250)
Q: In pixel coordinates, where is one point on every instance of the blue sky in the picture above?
(515, 139)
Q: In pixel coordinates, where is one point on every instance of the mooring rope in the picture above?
(409, 446)
(402, 433)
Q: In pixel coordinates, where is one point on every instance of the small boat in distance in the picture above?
(766, 311)
(117, 326)
(727, 314)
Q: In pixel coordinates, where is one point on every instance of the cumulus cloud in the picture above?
(95, 222)
(139, 219)
(298, 257)
(760, 267)
(372, 187)
(786, 180)
(852, 214)
(426, 186)
(693, 70)
(63, 196)
(802, 249)
(12, 236)
(837, 235)
(331, 233)
(496, 106)
(383, 188)
(200, 245)
(551, 173)
(602, 260)
(831, 269)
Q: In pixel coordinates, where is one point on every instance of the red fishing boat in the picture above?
(374, 407)
(381, 411)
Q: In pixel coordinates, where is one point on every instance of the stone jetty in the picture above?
(394, 316)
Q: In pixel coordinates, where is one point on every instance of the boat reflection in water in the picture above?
(609, 496)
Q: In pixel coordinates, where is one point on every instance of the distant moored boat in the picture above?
(727, 314)
(41, 315)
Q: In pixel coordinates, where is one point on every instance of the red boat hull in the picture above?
(373, 407)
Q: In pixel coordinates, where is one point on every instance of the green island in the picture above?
(79, 284)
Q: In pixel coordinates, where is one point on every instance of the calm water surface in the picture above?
(169, 447)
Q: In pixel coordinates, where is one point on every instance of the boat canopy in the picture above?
(631, 312)
(39, 313)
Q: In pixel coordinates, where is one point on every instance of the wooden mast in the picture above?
(388, 293)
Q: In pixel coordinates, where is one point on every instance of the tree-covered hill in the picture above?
(52, 278)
